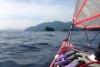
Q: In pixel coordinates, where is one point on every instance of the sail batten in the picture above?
(87, 14)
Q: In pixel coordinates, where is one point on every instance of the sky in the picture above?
(20, 14)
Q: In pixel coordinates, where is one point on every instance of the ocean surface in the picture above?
(37, 49)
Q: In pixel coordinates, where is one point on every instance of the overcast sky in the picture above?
(20, 14)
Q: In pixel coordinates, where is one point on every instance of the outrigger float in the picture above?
(87, 16)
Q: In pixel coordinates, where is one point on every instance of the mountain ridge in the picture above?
(56, 25)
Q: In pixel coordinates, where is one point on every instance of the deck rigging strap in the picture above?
(89, 42)
(94, 37)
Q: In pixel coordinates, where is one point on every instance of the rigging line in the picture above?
(88, 45)
(94, 37)
(86, 35)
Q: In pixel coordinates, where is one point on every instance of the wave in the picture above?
(43, 44)
(29, 48)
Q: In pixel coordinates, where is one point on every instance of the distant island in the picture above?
(55, 26)
(49, 29)
(50, 26)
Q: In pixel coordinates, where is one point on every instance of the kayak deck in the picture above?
(84, 55)
(68, 57)
(81, 56)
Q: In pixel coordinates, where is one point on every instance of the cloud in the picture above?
(13, 24)
(9, 8)
(45, 2)
(34, 11)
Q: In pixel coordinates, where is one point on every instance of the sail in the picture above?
(87, 14)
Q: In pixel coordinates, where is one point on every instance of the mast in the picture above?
(70, 34)
(71, 27)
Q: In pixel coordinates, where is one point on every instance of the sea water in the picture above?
(37, 49)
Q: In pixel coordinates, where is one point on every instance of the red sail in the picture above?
(87, 14)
